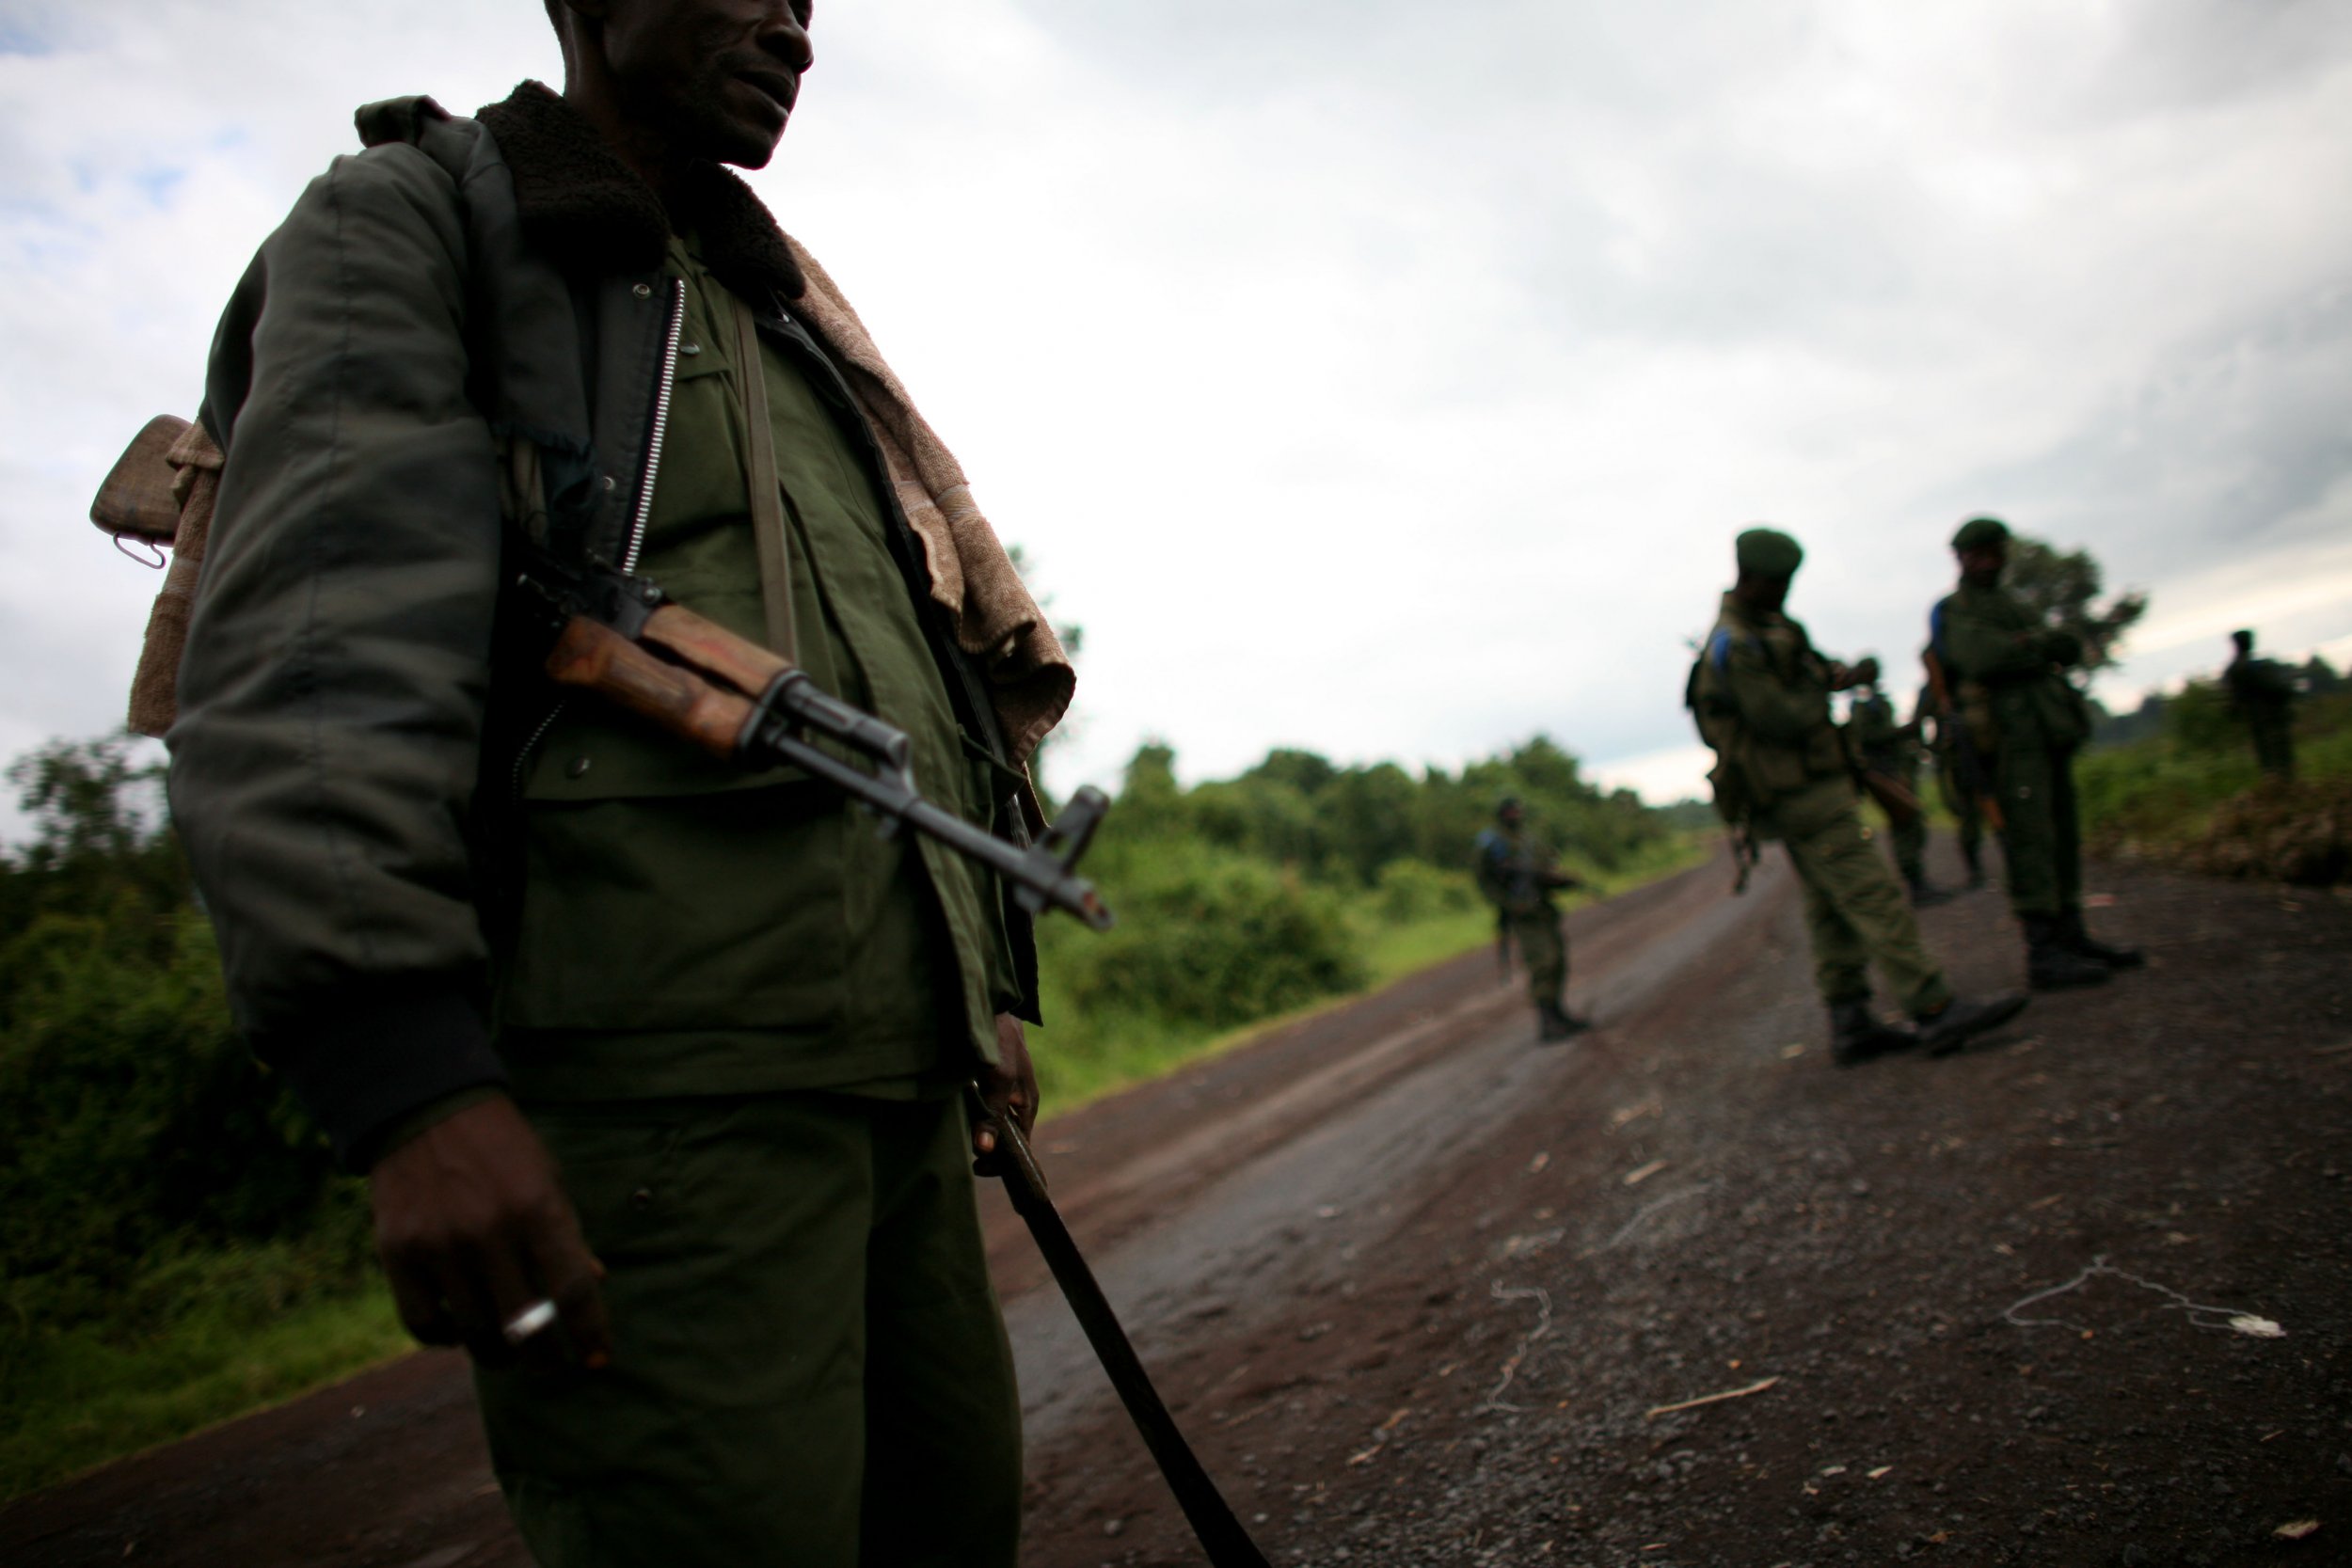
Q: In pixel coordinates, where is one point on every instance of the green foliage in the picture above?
(2060, 586)
(1299, 880)
(1409, 891)
(2192, 795)
(151, 1174)
(133, 1121)
(2198, 720)
(1212, 937)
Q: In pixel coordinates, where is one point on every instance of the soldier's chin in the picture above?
(743, 140)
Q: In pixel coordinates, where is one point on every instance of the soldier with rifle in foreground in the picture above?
(2021, 721)
(1759, 693)
(654, 1056)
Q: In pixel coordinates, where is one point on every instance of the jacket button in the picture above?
(611, 483)
(643, 291)
(575, 767)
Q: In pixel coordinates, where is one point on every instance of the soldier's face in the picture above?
(1981, 568)
(1762, 593)
(714, 79)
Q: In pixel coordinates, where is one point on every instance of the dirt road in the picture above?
(1417, 1286)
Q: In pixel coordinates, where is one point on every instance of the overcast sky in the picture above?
(1382, 378)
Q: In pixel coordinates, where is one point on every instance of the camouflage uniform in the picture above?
(2026, 720)
(1761, 674)
(1943, 749)
(1760, 695)
(1517, 880)
(1883, 746)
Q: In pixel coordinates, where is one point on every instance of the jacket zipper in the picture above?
(642, 513)
(662, 390)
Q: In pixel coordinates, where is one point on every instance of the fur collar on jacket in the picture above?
(581, 203)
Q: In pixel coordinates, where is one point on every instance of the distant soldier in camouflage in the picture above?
(1760, 694)
(2262, 694)
(1517, 878)
(1942, 749)
(2024, 719)
(1890, 748)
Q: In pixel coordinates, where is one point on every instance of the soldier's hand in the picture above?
(476, 1235)
(1007, 1089)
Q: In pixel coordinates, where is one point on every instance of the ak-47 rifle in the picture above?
(1966, 764)
(620, 637)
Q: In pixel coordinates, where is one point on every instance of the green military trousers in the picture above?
(1909, 838)
(2041, 838)
(1964, 810)
(1544, 948)
(2273, 731)
(809, 1366)
(1854, 911)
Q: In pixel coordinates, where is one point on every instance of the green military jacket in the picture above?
(2258, 686)
(686, 928)
(365, 772)
(1514, 875)
(1760, 695)
(2004, 665)
(1879, 740)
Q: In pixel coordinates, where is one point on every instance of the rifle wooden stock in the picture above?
(736, 698)
(594, 657)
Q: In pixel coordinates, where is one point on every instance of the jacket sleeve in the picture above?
(1986, 648)
(1771, 709)
(332, 692)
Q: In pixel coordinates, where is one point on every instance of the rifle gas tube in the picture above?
(623, 639)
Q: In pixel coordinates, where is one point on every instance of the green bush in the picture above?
(1413, 889)
(134, 1126)
(1207, 937)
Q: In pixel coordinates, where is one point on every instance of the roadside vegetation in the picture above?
(2185, 790)
(177, 1247)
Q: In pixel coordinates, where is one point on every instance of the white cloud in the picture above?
(1382, 378)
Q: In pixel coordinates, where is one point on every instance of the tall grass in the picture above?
(2164, 791)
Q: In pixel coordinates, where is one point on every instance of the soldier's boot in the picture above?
(1858, 1034)
(1552, 1023)
(1975, 857)
(2071, 930)
(2051, 962)
(1952, 1025)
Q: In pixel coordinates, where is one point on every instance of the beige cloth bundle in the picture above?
(161, 492)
